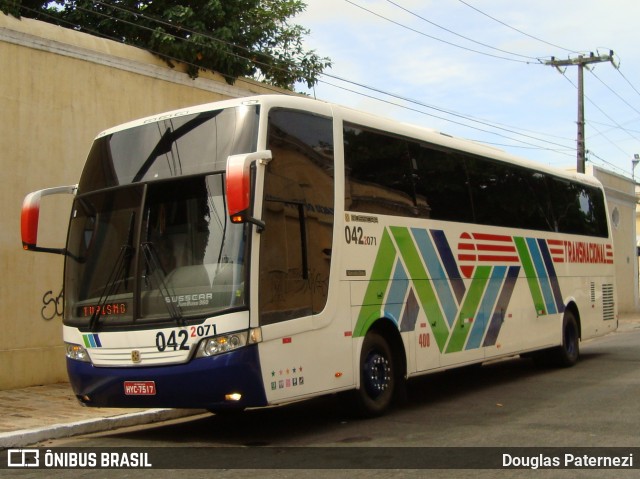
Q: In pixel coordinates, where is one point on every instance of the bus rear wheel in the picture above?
(377, 377)
(567, 354)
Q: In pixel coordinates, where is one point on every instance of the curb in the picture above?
(27, 437)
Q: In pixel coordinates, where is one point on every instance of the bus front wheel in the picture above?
(377, 376)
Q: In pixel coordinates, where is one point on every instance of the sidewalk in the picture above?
(39, 413)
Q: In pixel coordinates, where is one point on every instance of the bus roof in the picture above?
(365, 119)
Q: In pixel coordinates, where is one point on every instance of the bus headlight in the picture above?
(77, 352)
(227, 342)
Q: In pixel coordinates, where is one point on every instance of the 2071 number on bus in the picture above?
(355, 235)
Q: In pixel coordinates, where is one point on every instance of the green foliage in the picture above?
(237, 38)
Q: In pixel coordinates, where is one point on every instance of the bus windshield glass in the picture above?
(156, 253)
(149, 240)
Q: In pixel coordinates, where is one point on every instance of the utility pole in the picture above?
(581, 61)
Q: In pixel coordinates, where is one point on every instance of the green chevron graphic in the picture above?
(469, 308)
(530, 272)
(378, 284)
(426, 295)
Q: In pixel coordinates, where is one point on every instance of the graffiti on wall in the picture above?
(52, 305)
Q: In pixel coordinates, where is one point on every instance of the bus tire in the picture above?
(567, 354)
(377, 377)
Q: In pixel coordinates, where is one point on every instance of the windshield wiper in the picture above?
(155, 269)
(120, 268)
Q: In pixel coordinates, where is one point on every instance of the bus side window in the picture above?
(578, 209)
(298, 213)
(381, 174)
(443, 183)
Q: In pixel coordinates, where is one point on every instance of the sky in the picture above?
(476, 69)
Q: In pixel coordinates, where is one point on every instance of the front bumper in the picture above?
(201, 383)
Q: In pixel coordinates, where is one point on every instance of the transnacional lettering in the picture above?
(584, 252)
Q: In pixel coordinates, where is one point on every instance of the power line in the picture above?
(458, 34)
(516, 29)
(613, 127)
(436, 38)
(563, 147)
(629, 82)
(608, 163)
(443, 110)
(614, 92)
(613, 143)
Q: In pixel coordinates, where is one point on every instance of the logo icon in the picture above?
(23, 458)
(135, 356)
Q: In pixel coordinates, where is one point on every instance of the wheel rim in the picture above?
(377, 374)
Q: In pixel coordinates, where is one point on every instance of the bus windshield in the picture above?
(149, 239)
(146, 254)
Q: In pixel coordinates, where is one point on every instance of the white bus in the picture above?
(270, 249)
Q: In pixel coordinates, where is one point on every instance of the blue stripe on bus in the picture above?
(437, 274)
(397, 292)
(97, 340)
(553, 277)
(501, 306)
(450, 264)
(483, 315)
(410, 316)
(543, 279)
(92, 340)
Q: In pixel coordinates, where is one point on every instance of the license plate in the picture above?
(139, 388)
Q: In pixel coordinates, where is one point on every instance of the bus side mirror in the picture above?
(31, 214)
(240, 187)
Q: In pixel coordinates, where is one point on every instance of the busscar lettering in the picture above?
(184, 300)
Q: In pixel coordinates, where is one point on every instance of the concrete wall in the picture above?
(621, 201)
(58, 89)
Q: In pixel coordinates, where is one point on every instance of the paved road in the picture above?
(506, 404)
